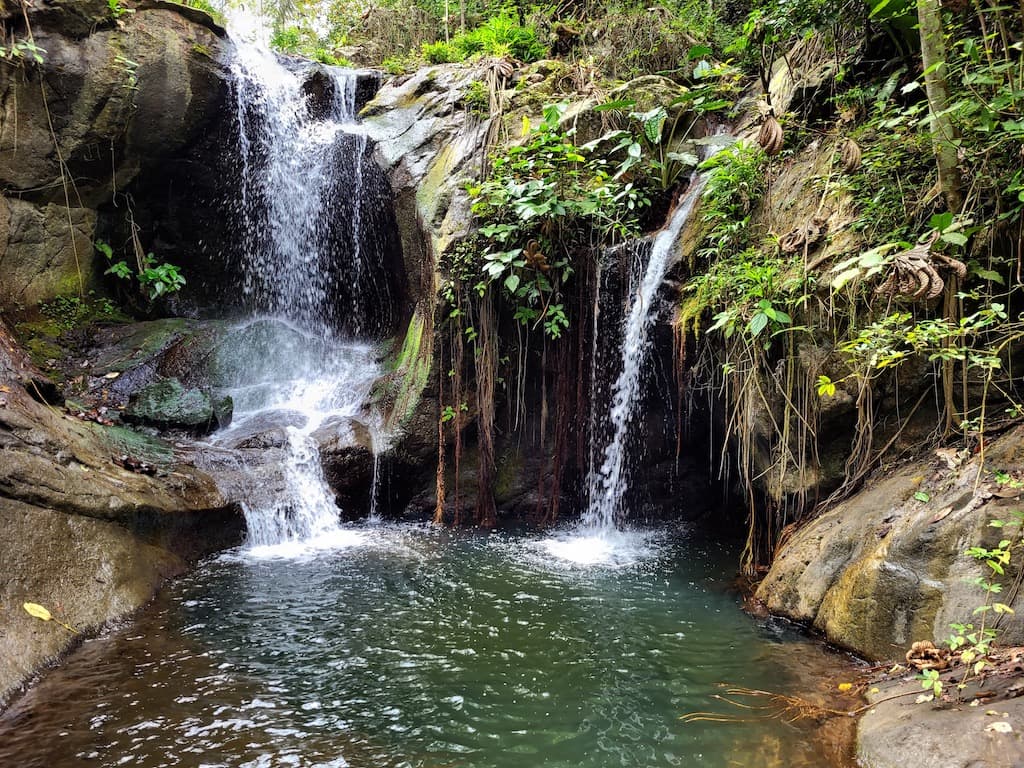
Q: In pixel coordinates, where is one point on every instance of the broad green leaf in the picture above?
(617, 104)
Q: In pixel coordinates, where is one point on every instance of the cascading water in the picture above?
(306, 277)
(608, 483)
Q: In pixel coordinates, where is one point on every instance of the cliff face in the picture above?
(111, 101)
(110, 104)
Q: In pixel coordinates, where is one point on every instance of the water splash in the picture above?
(607, 484)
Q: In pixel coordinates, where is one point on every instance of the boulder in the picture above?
(45, 251)
(83, 535)
(168, 404)
(898, 732)
(887, 567)
(110, 104)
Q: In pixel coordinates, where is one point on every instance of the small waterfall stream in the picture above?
(308, 281)
(608, 483)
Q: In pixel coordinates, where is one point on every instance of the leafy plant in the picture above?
(155, 278)
(20, 50)
(441, 52)
(541, 196)
(501, 35)
(118, 9)
(974, 643)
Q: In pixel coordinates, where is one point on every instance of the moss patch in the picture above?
(410, 371)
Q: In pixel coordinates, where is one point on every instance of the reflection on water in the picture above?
(426, 649)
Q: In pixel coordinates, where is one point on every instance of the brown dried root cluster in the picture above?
(914, 274)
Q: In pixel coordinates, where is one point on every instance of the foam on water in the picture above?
(606, 549)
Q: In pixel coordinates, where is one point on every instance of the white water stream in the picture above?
(299, 210)
(609, 482)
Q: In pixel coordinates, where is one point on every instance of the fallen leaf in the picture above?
(941, 514)
(35, 609)
(845, 686)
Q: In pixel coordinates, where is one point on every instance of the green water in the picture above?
(415, 647)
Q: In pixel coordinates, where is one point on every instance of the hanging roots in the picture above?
(809, 235)
(914, 274)
(850, 156)
(770, 136)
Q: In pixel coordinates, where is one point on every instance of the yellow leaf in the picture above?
(526, 125)
(845, 686)
(873, 690)
(34, 609)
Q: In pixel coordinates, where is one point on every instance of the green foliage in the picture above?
(544, 197)
(441, 53)
(502, 35)
(753, 295)
(735, 184)
(21, 51)
(930, 682)
(974, 642)
(398, 65)
(498, 36)
(288, 39)
(897, 337)
(896, 163)
(478, 99)
(155, 278)
(128, 69)
(118, 9)
(71, 311)
(654, 141)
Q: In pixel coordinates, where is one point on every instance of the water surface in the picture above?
(412, 647)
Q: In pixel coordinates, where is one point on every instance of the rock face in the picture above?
(83, 536)
(124, 97)
(886, 567)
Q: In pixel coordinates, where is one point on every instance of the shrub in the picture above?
(441, 53)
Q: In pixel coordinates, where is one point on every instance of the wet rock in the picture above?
(45, 251)
(116, 123)
(264, 430)
(167, 404)
(84, 536)
(320, 88)
(346, 456)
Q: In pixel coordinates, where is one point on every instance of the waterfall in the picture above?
(608, 483)
(306, 276)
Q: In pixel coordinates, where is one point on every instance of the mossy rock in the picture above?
(168, 404)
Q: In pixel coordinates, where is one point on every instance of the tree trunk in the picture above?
(944, 133)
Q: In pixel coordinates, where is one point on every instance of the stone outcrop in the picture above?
(111, 102)
(887, 567)
(899, 732)
(87, 538)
